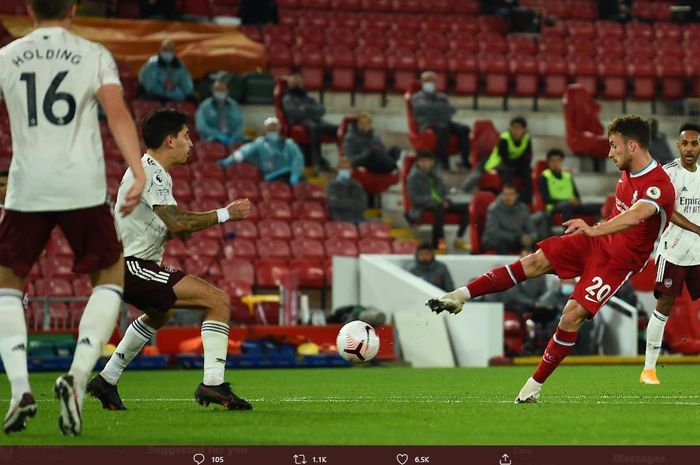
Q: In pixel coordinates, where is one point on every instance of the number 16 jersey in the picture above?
(49, 80)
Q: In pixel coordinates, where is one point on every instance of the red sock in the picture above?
(497, 280)
(561, 345)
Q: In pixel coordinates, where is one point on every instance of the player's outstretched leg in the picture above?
(13, 350)
(104, 385)
(561, 345)
(193, 292)
(497, 280)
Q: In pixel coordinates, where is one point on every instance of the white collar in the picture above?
(653, 164)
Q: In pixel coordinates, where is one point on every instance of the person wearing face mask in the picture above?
(278, 158)
(218, 118)
(346, 197)
(164, 77)
(509, 228)
(300, 108)
(548, 311)
(433, 110)
(426, 267)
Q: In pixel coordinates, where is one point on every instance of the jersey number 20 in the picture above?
(52, 95)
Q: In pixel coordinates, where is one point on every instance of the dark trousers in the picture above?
(439, 211)
(568, 211)
(317, 129)
(443, 132)
(381, 161)
(520, 170)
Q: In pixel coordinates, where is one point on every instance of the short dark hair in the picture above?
(508, 185)
(632, 127)
(519, 120)
(51, 9)
(424, 154)
(161, 123)
(424, 246)
(690, 127)
(555, 152)
(4, 173)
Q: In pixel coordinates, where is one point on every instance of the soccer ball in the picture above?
(357, 342)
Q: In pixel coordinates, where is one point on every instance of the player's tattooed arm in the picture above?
(681, 221)
(181, 222)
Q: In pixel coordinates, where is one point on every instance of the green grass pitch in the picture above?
(386, 406)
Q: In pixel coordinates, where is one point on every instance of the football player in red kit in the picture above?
(604, 256)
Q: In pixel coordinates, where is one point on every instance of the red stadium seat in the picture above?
(341, 230)
(202, 247)
(243, 229)
(240, 248)
(584, 71)
(642, 76)
(309, 60)
(523, 68)
(584, 132)
(180, 173)
(552, 46)
(182, 192)
(341, 247)
(340, 61)
(308, 229)
(54, 266)
(671, 74)
(274, 229)
(494, 71)
(58, 245)
(239, 270)
(82, 287)
(204, 267)
(307, 191)
(280, 60)
(196, 8)
(212, 190)
(404, 247)
(275, 190)
(309, 210)
(275, 210)
(374, 246)
(477, 218)
(465, 73)
(372, 66)
(176, 248)
(239, 188)
(310, 272)
(54, 287)
(207, 171)
(554, 74)
(484, 139)
(269, 271)
(610, 30)
(404, 66)
(374, 230)
(307, 248)
(272, 248)
(613, 76)
(210, 151)
(143, 107)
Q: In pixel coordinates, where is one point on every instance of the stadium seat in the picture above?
(584, 132)
(404, 67)
(308, 229)
(671, 31)
(239, 270)
(477, 218)
(58, 245)
(182, 192)
(613, 77)
(436, 62)
(340, 62)
(298, 133)
(311, 272)
(309, 60)
(204, 267)
(307, 248)
(484, 139)
(610, 30)
(639, 30)
(202, 247)
(275, 190)
(642, 77)
(374, 230)
(54, 287)
(404, 247)
(196, 8)
(239, 188)
(465, 73)
(308, 191)
(270, 271)
(551, 45)
(583, 70)
(275, 210)
(240, 248)
(180, 173)
(55, 266)
(340, 247)
(274, 229)
(211, 190)
(143, 107)
(341, 230)
(671, 74)
(494, 71)
(524, 70)
(372, 66)
(521, 45)
(280, 60)
(210, 151)
(309, 210)
(553, 71)
(176, 248)
(374, 246)
(82, 287)
(207, 171)
(244, 229)
(272, 248)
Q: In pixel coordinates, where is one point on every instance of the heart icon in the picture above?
(402, 458)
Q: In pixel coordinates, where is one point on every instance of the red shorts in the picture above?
(89, 231)
(575, 255)
(670, 278)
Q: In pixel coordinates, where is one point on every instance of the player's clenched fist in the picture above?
(239, 209)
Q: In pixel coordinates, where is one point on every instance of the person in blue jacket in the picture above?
(277, 157)
(218, 118)
(165, 77)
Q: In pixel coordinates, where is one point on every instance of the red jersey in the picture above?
(635, 245)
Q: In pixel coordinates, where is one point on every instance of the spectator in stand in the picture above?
(164, 77)
(363, 147)
(427, 192)
(512, 157)
(658, 145)
(277, 157)
(559, 192)
(158, 9)
(300, 108)
(615, 10)
(509, 226)
(346, 197)
(548, 313)
(433, 110)
(218, 118)
(426, 267)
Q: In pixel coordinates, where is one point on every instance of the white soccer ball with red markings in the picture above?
(357, 342)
